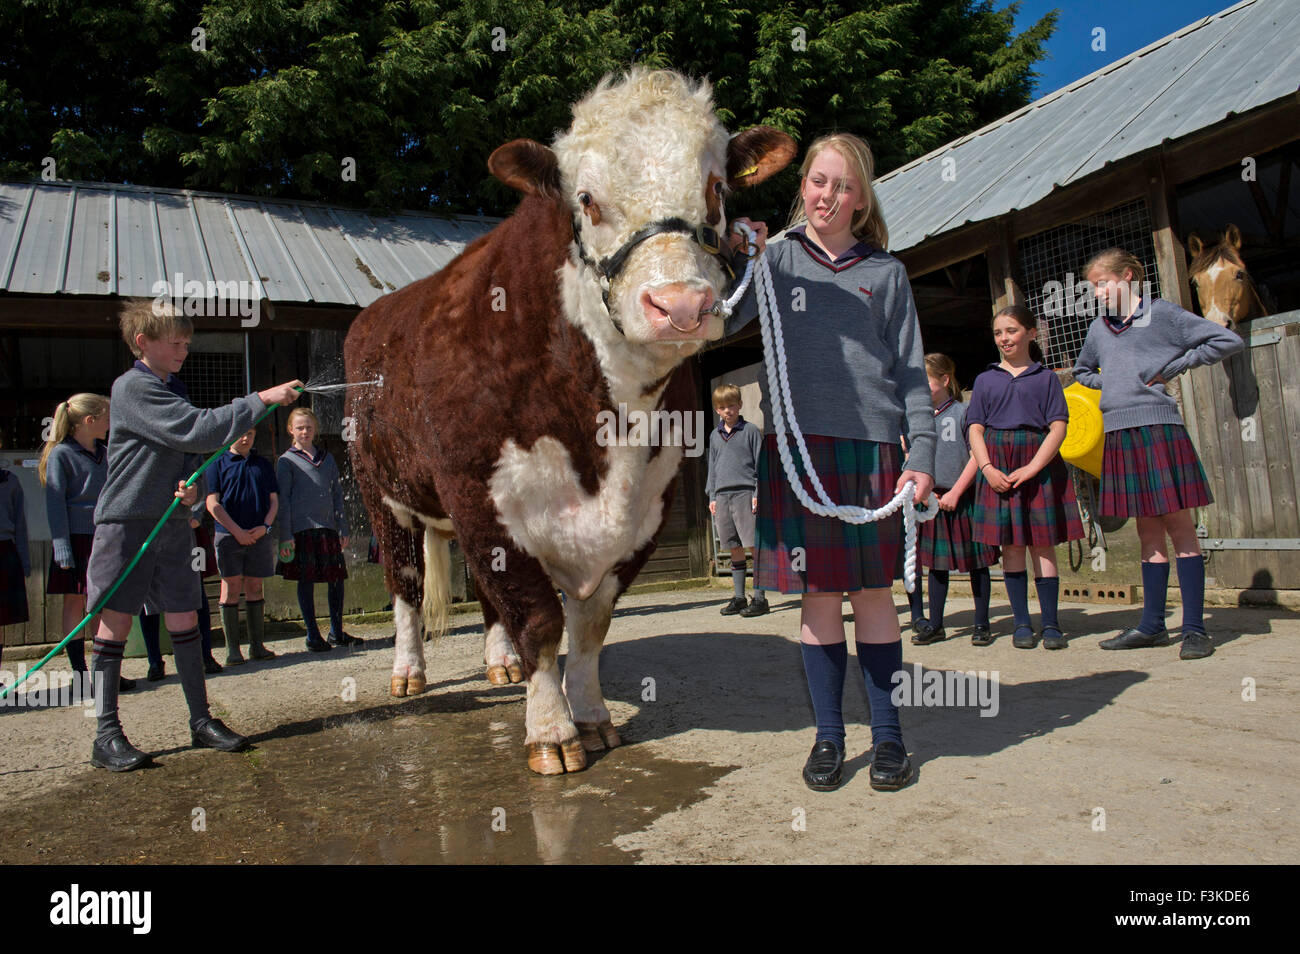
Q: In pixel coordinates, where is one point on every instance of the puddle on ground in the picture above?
(413, 782)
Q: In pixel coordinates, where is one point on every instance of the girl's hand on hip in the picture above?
(924, 484)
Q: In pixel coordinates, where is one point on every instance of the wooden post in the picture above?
(1171, 256)
(1001, 257)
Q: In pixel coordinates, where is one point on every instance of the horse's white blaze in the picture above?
(408, 659)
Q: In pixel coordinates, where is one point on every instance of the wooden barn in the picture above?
(1188, 135)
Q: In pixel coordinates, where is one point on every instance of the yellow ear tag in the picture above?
(748, 172)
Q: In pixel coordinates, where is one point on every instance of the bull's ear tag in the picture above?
(708, 239)
(748, 172)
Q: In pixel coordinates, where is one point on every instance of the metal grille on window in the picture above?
(1049, 265)
(213, 378)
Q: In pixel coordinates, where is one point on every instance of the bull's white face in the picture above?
(641, 151)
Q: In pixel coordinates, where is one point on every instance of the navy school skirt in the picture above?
(317, 557)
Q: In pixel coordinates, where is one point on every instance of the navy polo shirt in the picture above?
(1033, 398)
(243, 486)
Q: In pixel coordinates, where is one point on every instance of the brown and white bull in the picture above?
(499, 370)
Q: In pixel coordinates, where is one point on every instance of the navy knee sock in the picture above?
(916, 599)
(334, 594)
(307, 603)
(150, 629)
(1155, 584)
(825, 667)
(879, 662)
(1049, 592)
(980, 590)
(938, 596)
(1017, 585)
(205, 623)
(1191, 584)
(76, 650)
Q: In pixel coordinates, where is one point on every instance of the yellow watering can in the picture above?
(1084, 436)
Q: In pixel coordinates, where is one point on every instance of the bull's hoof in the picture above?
(515, 673)
(497, 676)
(407, 685)
(598, 736)
(547, 758)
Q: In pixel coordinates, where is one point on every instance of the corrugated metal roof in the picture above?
(1243, 57)
(84, 238)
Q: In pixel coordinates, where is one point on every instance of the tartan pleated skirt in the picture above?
(13, 585)
(799, 552)
(1150, 471)
(73, 580)
(1039, 513)
(317, 557)
(947, 541)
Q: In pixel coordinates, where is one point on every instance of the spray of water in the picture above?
(328, 388)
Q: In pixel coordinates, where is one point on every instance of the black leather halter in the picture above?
(608, 268)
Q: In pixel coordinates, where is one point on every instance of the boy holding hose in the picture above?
(155, 443)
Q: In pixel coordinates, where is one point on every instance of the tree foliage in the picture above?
(273, 97)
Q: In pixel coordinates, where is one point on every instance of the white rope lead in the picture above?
(778, 379)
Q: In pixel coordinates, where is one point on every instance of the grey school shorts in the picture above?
(164, 578)
(257, 560)
(734, 519)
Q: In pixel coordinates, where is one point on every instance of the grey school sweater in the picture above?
(311, 494)
(1161, 339)
(13, 517)
(733, 461)
(953, 452)
(73, 481)
(156, 439)
(853, 349)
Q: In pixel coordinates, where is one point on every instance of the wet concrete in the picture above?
(424, 780)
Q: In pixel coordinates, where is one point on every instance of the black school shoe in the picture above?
(1024, 638)
(981, 636)
(927, 633)
(345, 639)
(757, 607)
(215, 734)
(1196, 645)
(318, 645)
(157, 673)
(824, 767)
(1053, 638)
(734, 606)
(117, 755)
(1135, 639)
(891, 769)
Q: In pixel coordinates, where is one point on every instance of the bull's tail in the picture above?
(437, 582)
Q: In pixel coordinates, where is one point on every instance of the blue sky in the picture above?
(1129, 25)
